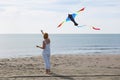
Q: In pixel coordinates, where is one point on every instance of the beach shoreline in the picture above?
(64, 64)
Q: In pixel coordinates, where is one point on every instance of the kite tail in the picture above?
(61, 24)
(81, 10)
(95, 28)
(92, 27)
(81, 26)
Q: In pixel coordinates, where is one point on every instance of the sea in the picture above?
(24, 45)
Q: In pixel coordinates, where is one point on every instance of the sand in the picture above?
(63, 67)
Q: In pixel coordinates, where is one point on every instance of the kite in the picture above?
(71, 17)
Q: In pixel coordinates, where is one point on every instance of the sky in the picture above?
(31, 16)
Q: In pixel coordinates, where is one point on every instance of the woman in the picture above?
(46, 51)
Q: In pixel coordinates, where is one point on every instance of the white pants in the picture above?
(46, 57)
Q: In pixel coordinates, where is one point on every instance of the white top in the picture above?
(47, 48)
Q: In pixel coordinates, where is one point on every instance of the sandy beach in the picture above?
(63, 67)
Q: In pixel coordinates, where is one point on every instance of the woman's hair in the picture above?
(45, 35)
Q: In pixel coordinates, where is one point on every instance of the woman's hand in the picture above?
(42, 32)
(37, 46)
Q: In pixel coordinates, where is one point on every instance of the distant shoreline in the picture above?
(75, 54)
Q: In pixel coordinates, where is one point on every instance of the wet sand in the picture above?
(63, 67)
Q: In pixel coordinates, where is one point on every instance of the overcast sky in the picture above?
(30, 16)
